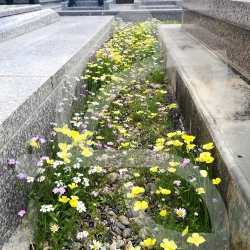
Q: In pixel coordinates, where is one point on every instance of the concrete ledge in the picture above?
(14, 10)
(12, 26)
(215, 105)
(32, 72)
(129, 15)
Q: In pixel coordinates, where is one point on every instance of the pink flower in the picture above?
(21, 213)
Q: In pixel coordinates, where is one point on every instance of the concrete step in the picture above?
(158, 7)
(9, 10)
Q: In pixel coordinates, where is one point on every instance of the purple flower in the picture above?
(99, 236)
(94, 193)
(21, 213)
(42, 140)
(177, 183)
(21, 176)
(55, 190)
(110, 125)
(91, 224)
(12, 161)
(151, 192)
(106, 189)
(185, 163)
(195, 167)
(99, 145)
(99, 207)
(112, 96)
(88, 217)
(214, 200)
(62, 190)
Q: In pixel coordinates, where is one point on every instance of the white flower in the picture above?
(79, 159)
(76, 179)
(59, 183)
(41, 170)
(96, 245)
(95, 169)
(181, 212)
(41, 178)
(54, 228)
(81, 207)
(46, 208)
(30, 179)
(81, 235)
(77, 165)
(85, 182)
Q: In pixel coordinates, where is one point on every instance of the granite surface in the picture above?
(230, 42)
(234, 12)
(211, 97)
(19, 9)
(15, 25)
(33, 68)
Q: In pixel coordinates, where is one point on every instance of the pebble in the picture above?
(128, 214)
(124, 220)
(117, 230)
(120, 243)
(118, 224)
(127, 233)
(113, 246)
(112, 178)
(76, 246)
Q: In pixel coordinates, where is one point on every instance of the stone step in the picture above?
(9, 10)
(12, 26)
(158, 2)
(86, 3)
(87, 8)
(158, 7)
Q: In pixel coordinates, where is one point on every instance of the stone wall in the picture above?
(223, 26)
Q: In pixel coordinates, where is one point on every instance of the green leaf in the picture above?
(53, 217)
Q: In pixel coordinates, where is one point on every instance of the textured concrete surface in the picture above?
(215, 105)
(8, 10)
(33, 68)
(15, 25)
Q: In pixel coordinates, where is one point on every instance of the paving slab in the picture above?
(215, 105)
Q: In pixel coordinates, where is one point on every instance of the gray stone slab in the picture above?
(30, 97)
(14, 10)
(215, 105)
(12, 26)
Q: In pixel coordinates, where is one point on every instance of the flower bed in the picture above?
(118, 175)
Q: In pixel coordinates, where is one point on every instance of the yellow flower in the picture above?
(190, 146)
(208, 146)
(163, 191)
(137, 190)
(86, 152)
(160, 141)
(168, 244)
(163, 213)
(188, 138)
(74, 201)
(148, 242)
(73, 185)
(140, 205)
(34, 144)
(174, 163)
(205, 157)
(203, 173)
(137, 175)
(185, 231)
(154, 169)
(134, 248)
(126, 144)
(64, 199)
(177, 143)
(170, 135)
(50, 161)
(200, 190)
(158, 148)
(171, 170)
(216, 181)
(196, 239)
(99, 137)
